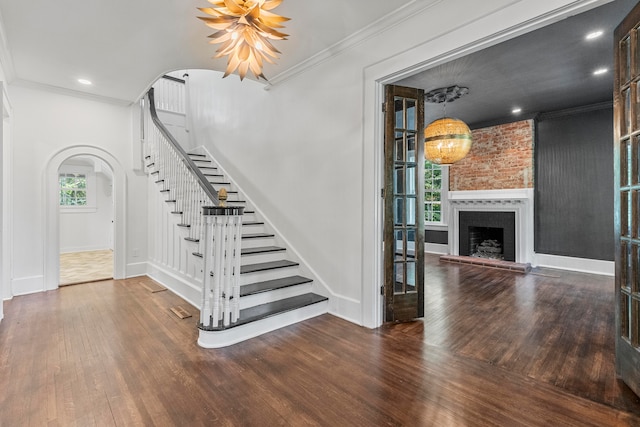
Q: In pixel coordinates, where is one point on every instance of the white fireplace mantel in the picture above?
(519, 201)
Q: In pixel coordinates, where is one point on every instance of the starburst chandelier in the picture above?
(244, 29)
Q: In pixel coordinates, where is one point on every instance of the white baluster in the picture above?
(206, 313)
(235, 278)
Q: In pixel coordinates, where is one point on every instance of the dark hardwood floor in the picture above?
(495, 349)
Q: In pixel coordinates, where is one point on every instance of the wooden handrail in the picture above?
(202, 180)
(174, 79)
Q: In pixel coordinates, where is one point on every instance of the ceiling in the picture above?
(545, 70)
(56, 42)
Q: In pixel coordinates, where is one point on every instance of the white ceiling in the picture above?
(122, 46)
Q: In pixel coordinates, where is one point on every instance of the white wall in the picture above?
(5, 194)
(46, 123)
(308, 151)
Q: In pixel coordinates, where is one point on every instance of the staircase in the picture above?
(275, 291)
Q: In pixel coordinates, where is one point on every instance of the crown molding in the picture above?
(381, 25)
(29, 84)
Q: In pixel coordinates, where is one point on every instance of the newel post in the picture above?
(221, 281)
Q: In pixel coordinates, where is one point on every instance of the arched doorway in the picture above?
(86, 220)
(52, 214)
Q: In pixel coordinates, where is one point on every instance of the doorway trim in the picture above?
(52, 212)
(484, 32)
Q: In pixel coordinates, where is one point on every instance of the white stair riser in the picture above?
(258, 242)
(275, 295)
(261, 276)
(263, 257)
(211, 339)
(252, 229)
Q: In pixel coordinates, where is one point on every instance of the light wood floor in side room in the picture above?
(82, 267)
(495, 349)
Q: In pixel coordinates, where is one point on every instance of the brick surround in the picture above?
(501, 157)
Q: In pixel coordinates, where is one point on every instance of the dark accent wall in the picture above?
(574, 183)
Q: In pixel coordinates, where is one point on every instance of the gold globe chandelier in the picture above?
(244, 29)
(446, 140)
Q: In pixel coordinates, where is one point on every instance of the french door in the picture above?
(404, 204)
(627, 197)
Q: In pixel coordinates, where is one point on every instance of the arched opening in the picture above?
(86, 220)
(52, 211)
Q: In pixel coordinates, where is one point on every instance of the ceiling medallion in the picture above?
(244, 29)
(446, 140)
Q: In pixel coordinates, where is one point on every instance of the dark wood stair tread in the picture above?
(263, 311)
(177, 212)
(184, 225)
(191, 239)
(196, 155)
(253, 223)
(263, 266)
(261, 250)
(270, 285)
(257, 235)
(202, 160)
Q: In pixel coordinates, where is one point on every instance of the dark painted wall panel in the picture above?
(574, 185)
(435, 236)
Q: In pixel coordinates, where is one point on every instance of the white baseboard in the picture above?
(136, 269)
(189, 291)
(584, 265)
(436, 248)
(27, 285)
(345, 308)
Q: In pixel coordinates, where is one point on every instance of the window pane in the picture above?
(398, 106)
(398, 180)
(399, 147)
(411, 211)
(398, 210)
(411, 114)
(411, 277)
(73, 189)
(398, 273)
(411, 180)
(399, 245)
(411, 147)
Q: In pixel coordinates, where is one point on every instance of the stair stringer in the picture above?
(339, 305)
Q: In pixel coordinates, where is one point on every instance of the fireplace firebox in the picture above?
(487, 234)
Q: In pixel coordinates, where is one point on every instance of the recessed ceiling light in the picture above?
(517, 110)
(600, 71)
(84, 81)
(594, 35)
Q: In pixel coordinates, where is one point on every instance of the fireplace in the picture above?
(487, 234)
(504, 216)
